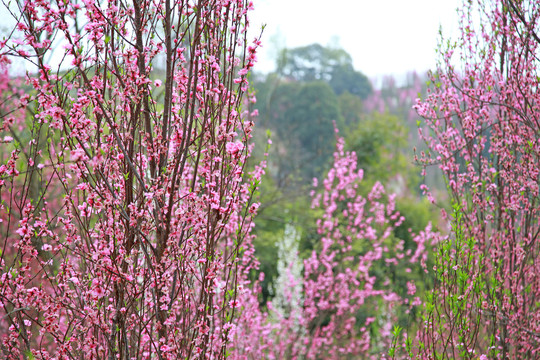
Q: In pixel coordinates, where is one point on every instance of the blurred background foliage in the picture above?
(313, 90)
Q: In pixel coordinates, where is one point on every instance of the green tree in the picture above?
(311, 125)
(317, 63)
(380, 143)
(301, 118)
(351, 109)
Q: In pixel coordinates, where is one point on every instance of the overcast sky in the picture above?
(382, 36)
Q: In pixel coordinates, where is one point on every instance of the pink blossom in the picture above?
(411, 288)
(234, 148)
(46, 247)
(253, 208)
(77, 155)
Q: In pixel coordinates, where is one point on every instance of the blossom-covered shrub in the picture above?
(482, 114)
(347, 309)
(125, 206)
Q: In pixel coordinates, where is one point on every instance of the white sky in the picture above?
(383, 36)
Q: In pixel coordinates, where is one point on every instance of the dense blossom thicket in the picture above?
(125, 207)
(345, 310)
(483, 116)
